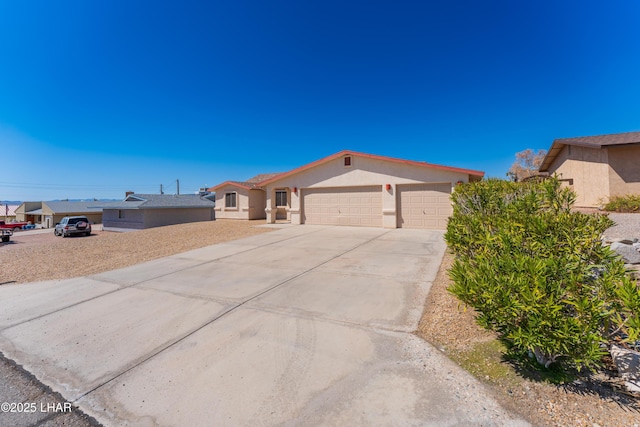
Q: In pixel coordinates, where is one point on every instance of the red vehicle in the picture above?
(15, 226)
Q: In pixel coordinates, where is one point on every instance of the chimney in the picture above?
(128, 193)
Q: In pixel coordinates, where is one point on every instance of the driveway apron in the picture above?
(305, 325)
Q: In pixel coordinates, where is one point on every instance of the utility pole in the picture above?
(161, 192)
(178, 186)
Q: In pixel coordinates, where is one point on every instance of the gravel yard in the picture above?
(627, 226)
(36, 256)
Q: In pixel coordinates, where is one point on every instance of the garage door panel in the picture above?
(359, 206)
(424, 205)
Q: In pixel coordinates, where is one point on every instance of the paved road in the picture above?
(306, 325)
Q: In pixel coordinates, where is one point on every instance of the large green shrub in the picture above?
(537, 273)
(629, 203)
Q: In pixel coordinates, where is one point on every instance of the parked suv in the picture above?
(73, 225)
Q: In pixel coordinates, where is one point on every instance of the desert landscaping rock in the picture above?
(626, 226)
(628, 364)
(627, 251)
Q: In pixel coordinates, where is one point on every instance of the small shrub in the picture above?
(628, 204)
(538, 274)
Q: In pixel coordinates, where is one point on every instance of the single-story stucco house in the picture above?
(140, 211)
(53, 212)
(596, 167)
(8, 212)
(29, 211)
(351, 188)
(241, 199)
(50, 213)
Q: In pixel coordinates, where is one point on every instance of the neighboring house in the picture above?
(8, 212)
(50, 213)
(29, 211)
(53, 212)
(241, 200)
(596, 167)
(140, 211)
(350, 188)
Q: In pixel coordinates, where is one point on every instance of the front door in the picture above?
(282, 204)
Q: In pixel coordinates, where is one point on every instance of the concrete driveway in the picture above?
(306, 325)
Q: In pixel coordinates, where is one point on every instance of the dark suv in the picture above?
(73, 225)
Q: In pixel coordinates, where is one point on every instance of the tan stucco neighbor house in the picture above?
(358, 189)
(596, 167)
(48, 214)
(241, 199)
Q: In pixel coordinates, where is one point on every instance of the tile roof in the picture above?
(276, 178)
(249, 184)
(597, 141)
(259, 181)
(262, 177)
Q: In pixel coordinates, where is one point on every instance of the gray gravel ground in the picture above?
(627, 226)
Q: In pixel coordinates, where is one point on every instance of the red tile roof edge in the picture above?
(369, 156)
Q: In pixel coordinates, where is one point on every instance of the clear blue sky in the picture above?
(101, 97)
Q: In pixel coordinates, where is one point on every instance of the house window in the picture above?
(120, 214)
(347, 161)
(230, 200)
(281, 198)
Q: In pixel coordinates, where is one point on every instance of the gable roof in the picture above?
(8, 210)
(340, 154)
(162, 201)
(263, 177)
(242, 184)
(598, 141)
(250, 184)
(65, 206)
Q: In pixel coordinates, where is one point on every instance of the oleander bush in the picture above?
(627, 204)
(538, 274)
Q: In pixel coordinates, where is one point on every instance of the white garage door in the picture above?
(343, 206)
(424, 206)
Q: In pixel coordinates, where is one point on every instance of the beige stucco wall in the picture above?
(624, 170)
(250, 203)
(362, 172)
(94, 217)
(21, 211)
(257, 203)
(589, 170)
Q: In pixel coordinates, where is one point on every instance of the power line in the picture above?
(74, 186)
